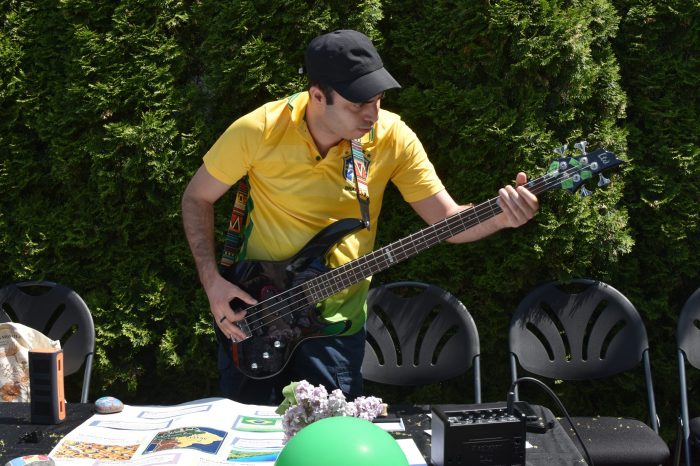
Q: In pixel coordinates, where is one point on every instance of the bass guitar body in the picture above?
(286, 313)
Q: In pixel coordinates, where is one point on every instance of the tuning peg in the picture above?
(561, 150)
(584, 192)
(581, 145)
(602, 181)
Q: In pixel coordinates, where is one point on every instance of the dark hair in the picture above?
(327, 90)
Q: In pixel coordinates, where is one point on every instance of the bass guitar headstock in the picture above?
(570, 172)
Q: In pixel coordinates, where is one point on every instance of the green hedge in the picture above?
(107, 107)
(657, 46)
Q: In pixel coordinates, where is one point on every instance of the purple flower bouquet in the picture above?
(305, 403)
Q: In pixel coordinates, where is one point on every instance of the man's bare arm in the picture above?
(518, 204)
(198, 221)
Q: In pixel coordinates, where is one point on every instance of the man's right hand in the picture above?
(220, 294)
(198, 201)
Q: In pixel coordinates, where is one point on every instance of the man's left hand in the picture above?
(519, 205)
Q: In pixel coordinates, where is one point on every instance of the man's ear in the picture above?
(317, 95)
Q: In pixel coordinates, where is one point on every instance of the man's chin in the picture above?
(361, 132)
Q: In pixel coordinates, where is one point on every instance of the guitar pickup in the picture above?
(243, 325)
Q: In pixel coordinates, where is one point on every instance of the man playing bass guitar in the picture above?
(304, 176)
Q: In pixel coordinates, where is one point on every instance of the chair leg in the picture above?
(678, 446)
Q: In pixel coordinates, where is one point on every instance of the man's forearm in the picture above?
(478, 231)
(198, 221)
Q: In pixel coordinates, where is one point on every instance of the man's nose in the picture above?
(371, 113)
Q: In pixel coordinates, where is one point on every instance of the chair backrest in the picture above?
(59, 313)
(418, 334)
(579, 330)
(590, 332)
(688, 340)
(688, 330)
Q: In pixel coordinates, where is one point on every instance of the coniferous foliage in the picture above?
(96, 148)
(505, 84)
(657, 46)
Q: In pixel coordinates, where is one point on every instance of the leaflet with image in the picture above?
(209, 431)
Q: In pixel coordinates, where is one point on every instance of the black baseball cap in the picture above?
(347, 61)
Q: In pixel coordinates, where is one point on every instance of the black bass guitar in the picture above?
(288, 291)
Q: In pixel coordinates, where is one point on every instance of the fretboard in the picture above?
(335, 280)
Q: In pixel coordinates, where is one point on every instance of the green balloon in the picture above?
(342, 441)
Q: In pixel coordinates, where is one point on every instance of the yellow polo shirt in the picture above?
(295, 193)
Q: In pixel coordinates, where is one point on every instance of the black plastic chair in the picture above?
(586, 330)
(688, 338)
(419, 334)
(59, 313)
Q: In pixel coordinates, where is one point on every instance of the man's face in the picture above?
(351, 120)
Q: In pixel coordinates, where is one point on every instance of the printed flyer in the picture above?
(204, 432)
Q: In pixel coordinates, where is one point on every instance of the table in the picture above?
(19, 437)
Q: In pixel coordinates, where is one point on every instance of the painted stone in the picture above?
(31, 460)
(108, 405)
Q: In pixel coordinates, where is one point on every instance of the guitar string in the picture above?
(539, 185)
(337, 275)
(469, 218)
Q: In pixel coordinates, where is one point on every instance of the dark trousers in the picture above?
(333, 362)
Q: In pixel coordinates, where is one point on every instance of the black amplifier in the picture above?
(477, 434)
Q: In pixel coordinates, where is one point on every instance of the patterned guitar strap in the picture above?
(234, 236)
